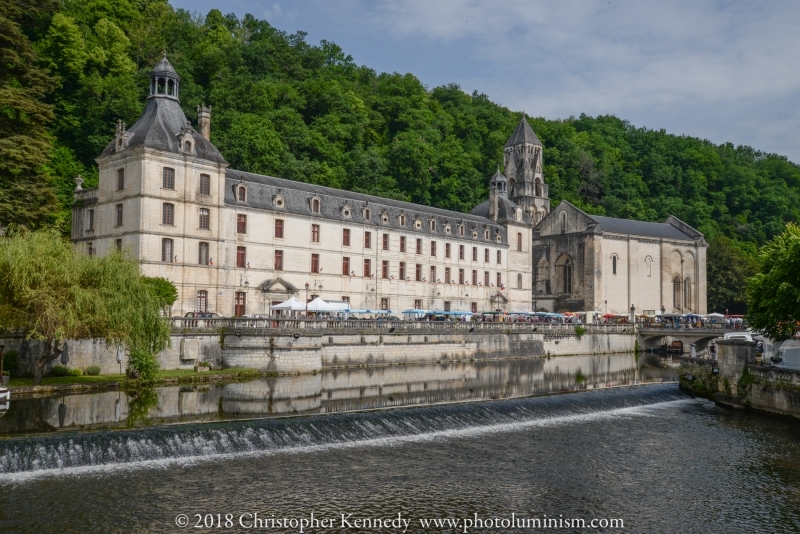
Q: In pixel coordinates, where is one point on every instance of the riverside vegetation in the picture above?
(285, 107)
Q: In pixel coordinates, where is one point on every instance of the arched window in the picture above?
(567, 277)
(366, 214)
(676, 292)
(461, 230)
(648, 265)
(433, 225)
(241, 193)
(168, 178)
(538, 186)
(563, 223)
(402, 220)
(315, 205)
(564, 270)
(519, 281)
(687, 294)
(614, 264)
(187, 146)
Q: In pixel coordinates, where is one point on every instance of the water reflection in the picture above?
(332, 391)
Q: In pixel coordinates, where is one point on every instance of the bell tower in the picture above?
(522, 158)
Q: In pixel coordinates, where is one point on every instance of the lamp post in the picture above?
(306, 300)
(633, 314)
(606, 303)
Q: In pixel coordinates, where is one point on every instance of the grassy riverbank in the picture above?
(85, 382)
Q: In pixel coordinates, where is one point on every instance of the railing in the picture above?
(706, 326)
(86, 194)
(378, 325)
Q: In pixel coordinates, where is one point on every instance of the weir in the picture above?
(78, 452)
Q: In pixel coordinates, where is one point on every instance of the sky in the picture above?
(727, 71)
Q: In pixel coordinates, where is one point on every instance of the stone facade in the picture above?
(235, 243)
(584, 262)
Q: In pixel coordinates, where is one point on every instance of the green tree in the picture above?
(728, 271)
(54, 293)
(26, 195)
(774, 293)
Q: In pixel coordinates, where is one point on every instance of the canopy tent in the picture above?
(716, 315)
(291, 305)
(372, 311)
(319, 305)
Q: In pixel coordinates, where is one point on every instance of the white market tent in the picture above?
(715, 314)
(293, 304)
(319, 305)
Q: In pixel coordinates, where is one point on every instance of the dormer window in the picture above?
(315, 205)
(278, 201)
(366, 214)
(402, 220)
(461, 230)
(433, 225)
(187, 146)
(241, 193)
(447, 229)
(384, 218)
(474, 234)
(486, 234)
(346, 213)
(417, 224)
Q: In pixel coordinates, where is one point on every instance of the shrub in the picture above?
(92, 370)
(11, 364)
(59, 370)
(579, 331)
(75, 372)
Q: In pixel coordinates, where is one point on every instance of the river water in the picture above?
(487, 445)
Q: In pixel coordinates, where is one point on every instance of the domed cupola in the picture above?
(499, 182)
(164, 81)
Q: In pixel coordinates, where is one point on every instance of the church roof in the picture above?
(159, 127)
(642, 228)
(523, 134)
(505, 209)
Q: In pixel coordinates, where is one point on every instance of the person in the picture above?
(713, 351)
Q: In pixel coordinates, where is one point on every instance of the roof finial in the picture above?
(498, 168)
(165, 53)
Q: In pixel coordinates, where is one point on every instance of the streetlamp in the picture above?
(606, 303)
(633, 314)
(306, 300)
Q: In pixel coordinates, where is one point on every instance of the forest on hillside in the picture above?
(285, 107)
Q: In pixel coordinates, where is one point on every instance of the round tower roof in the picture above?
(164, 66)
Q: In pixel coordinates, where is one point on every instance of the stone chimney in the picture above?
(493, 202)
(204, 121)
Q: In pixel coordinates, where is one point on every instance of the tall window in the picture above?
(402, 220)
(239, 304)
(119, 214)
(433, 248)
(385, 241)
(90, 220)
(563, 222)
(278, 260)
(205, 184)
(486, 278)
(345, 266)
(461, 276)
(168, 214)
(566, 277)
(432, 279)
(402, 243)
(241, 257)
(118, 243)
(120, 179)
(315, 205)
(366, 214)
(367, 239)
(417, 304)
(474, 253)
(474, 278)
(519, 281)
(346, 237)
(205, 219)
(279, 228)
(460, 252)
(447, 305)
(315, 233)
(384, 303)
(474, 307)
(315, 263)
(519, 241)
(418, 273)
(419, 246)
(384, 269)
(367, 268)
(402, 270)
(676, 291)
(241, 193)
(241, 223)
(614, 264)
(202, 254)
(202, 301)
(499, 280)
(499, 257)
(447, 278)
(687, 293)
(461, 230)
(447, 250)
(168, 178)
(166, 250)
(486, 255)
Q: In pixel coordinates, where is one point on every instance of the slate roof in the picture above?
(297, 195)
(164, 66)
(505, 209)
(641, 228)
(523, 134)
(159, 126)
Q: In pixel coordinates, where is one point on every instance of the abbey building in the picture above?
(235, 242)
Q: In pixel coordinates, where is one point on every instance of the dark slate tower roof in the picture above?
(163, 124)
(523, 134)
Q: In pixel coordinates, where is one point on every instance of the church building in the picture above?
(235, 243)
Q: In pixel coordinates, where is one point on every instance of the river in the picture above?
(485, 444)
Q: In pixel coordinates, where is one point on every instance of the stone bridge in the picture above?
(654, 337)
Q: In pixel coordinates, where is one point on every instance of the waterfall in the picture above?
(78, 452)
